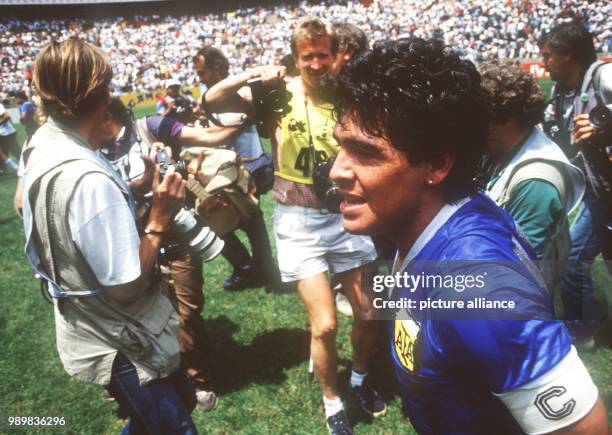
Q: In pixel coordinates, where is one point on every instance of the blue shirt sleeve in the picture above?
(506, 354)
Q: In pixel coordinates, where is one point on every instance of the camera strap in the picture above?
(594, 82)
(598, 96)
(310, 141)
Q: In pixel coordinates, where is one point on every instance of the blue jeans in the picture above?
(576, 284)
(161, 407)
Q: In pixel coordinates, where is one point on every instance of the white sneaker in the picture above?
(207, 400)
(343, 305)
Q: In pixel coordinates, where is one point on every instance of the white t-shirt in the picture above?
(6, 128)
(104, 230)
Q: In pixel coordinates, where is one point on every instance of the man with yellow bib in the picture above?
(310, 239)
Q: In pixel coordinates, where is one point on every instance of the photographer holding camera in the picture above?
(115, 323)
(310, 238)
(578, 119)
(176, 105)
(127, 140)
(259, 268)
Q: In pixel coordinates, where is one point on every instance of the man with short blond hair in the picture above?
(115, 324)
(310, 239)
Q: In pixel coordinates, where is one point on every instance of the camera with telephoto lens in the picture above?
(268, 104)
(187, 229)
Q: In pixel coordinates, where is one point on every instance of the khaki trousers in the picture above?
(194, 341)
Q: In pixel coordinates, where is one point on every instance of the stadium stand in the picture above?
(64, 2)
(146, 50)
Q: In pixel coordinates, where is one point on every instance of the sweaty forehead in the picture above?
(349, 133)
(306, 44)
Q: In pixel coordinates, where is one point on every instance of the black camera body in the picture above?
(163, 162)
(597, 148)
(187, 229)
(269, 104)
(601, 119)
(182, 110)
(325, 189)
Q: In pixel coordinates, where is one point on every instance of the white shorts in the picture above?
(309, 242)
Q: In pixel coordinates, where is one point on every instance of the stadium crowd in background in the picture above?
(401, 177)
(145, 51)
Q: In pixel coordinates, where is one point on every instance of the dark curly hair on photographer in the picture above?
(214, 60)
(422, 98)
(511, 93)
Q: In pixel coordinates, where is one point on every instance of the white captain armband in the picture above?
(560, 397)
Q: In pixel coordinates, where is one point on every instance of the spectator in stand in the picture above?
(147, 50)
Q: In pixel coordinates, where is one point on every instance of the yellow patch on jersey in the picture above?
(405, 335)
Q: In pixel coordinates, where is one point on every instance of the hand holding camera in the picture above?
(583, 129)
(593, 135)
(270, 75)
(268, 101)
(168, 196)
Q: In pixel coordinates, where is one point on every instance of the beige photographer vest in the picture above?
(90, 329)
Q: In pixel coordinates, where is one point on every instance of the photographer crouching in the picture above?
(115, 324)
(126, 140)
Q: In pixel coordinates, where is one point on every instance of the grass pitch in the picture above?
(260, 347)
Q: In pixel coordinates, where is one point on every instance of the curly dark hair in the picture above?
(422, 98)
(214, 59)
(511, 93)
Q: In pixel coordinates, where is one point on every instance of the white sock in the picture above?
(357, 378)
(11, 164)
(332, 406)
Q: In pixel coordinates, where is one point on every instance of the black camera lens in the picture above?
(278, 100)
(600, 117)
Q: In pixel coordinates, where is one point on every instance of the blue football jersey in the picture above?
(451, 368)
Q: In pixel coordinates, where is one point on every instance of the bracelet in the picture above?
(149, 231)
